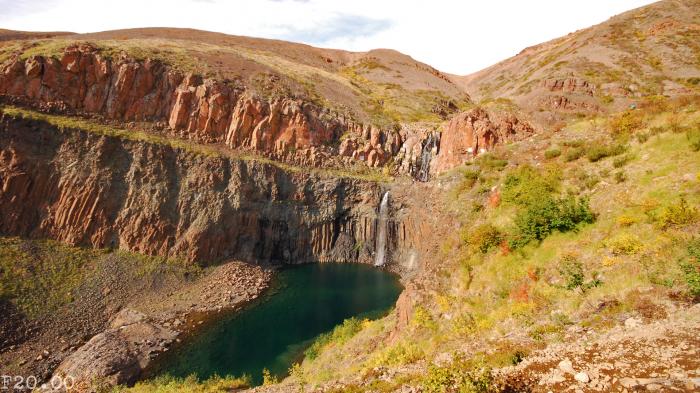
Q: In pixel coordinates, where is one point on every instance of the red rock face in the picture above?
(106, 192)
(476, 131)
(204, 110)
(569, 85)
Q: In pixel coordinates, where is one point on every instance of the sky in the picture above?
(459, 37)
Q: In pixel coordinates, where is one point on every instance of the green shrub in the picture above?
(642, 137)
(598, 152)
(460, 376)
(422, 318)
(490, 161)
(525, 184)
(624, 244)
(571, 269)
(268, 378)
(573, 143)
(621, 161)
(544, 216)
(620, 177)
(626, 123)
(484, 237)
(469, 178)
(574, 154)
(677, 214)
(693, 136)
(691, 268)
(552, 153)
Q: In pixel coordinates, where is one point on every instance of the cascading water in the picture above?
(430, 148)
(382, 225)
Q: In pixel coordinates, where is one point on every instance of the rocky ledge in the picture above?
(137, 334)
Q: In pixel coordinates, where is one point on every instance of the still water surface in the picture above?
(312, 299)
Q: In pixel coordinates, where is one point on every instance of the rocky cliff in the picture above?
(83, 81)
(475, 132)
(100, 191)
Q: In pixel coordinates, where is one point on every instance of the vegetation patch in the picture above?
(338, 336)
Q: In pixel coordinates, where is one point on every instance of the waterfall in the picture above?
(429, 148)
(381, 230)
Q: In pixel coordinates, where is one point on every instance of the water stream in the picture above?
(382, 226)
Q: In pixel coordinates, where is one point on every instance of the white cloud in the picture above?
(455, 36)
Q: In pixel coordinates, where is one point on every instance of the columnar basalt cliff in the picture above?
(82, 81)
(100, 191)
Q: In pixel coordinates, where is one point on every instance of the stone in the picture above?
(628, 382)
(477, 130)
(582, 377)
(566, 366)
(632, 322)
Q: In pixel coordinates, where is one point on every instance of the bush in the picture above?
(268, 378)
(460, 376)
(573, 143)
(525, 184)
(490, 161)
(624, 244)
(626, 123)
(548, 214)
(572, 271)
(423, 319)
(693, 136)
(484, 237)
(691, 268)
(574, 154)
(620, 177)
(677, 215)
(642, 137)
(470, 177)
(552, 153)
(597, 153)
(621, 161)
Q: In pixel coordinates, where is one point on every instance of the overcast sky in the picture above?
(456, 36)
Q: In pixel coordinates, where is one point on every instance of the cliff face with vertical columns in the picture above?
(99, 191)
(82, 81)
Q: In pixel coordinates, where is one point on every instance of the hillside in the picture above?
(539, 218)
(654, 50)
(380, 86)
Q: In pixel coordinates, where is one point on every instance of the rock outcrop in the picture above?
(477, 131)
(91, 190)
(569, 85)
(117, 355)
(83, 81)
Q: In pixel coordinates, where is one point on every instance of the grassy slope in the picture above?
(629, 258)
(41, 276)
(483, 310)
(379, 86)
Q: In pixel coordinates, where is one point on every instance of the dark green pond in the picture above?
(312, 299)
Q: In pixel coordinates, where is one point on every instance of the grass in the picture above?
(168, 384)
(589, 277)
(67, 122)
(338, 336)
(41, 276)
